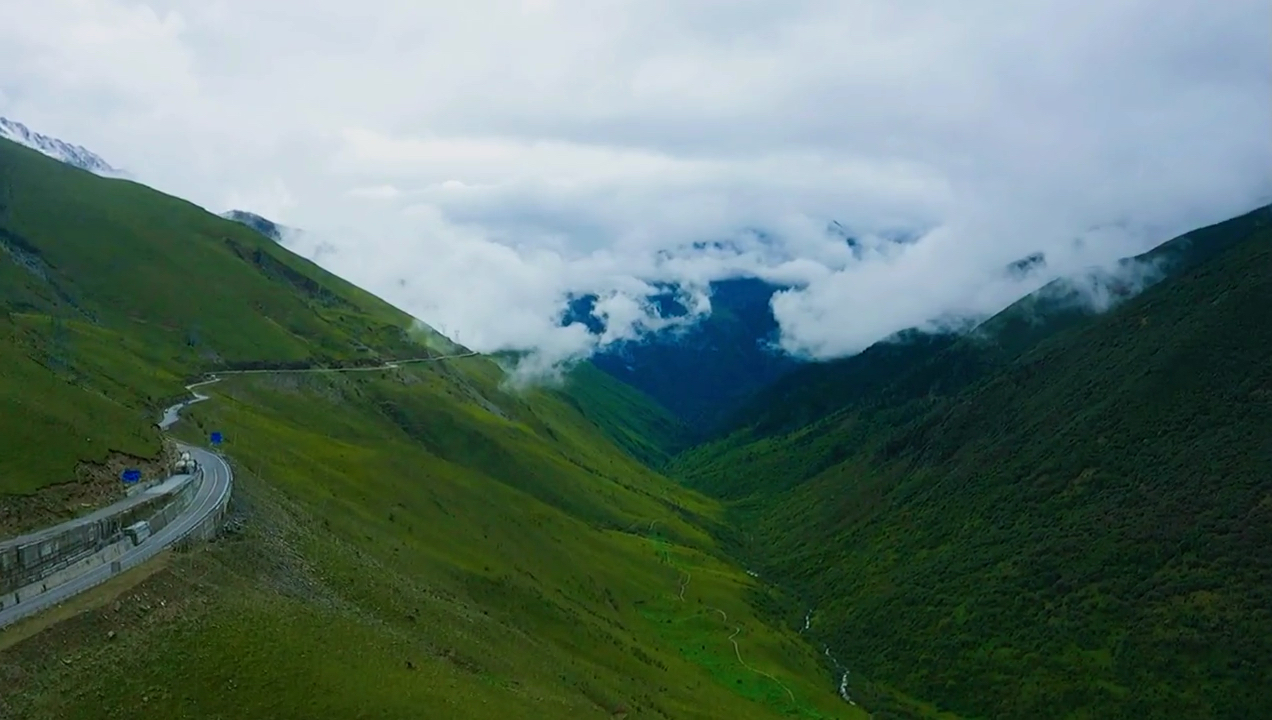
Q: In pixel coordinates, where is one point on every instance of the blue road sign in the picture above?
(216, 438)
(131, 475)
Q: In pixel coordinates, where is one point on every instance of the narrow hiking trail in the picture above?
(738, 652)
(683, 582)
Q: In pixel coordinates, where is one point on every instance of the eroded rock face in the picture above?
(95, 485)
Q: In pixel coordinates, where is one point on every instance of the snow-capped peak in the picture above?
(75, 155)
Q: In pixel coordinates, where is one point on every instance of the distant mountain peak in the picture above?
(1027, 265)
(702, 367)
(75, 155)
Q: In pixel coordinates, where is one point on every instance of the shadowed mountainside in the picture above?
(1065, 514)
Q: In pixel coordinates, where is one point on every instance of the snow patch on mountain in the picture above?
(75, 155)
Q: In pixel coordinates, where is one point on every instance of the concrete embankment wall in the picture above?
(210, 526)
(23, 564)
(180, 501)
(31, 568)
(66, 573)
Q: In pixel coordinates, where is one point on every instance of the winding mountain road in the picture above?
(216, 481)
(391, 365)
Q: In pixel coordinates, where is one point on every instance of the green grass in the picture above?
(111, 292)
(1076, 531)
(508, 601)
(1068, 523)
(52, 418)
(704, 616)
(632, 419)
(426, 542)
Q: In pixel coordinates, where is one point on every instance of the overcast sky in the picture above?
(475, 161)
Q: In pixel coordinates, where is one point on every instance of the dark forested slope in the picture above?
(703, 371)
(914, 364)
(1080, 528)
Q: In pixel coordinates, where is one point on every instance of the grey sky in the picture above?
(473, 162)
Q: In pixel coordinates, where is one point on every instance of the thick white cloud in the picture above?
(476, 162)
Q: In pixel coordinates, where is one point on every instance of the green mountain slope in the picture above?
(913, 365)
(119, 291)
(426, 541)
(1080, 529)
(632, 419)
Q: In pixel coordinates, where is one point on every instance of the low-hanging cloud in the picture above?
(478, 164)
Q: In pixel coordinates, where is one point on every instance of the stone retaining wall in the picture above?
(80, 545)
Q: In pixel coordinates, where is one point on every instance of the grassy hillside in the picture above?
(516, 579)
(1080, 529)
(111, 292)
(636, 422)
(421, 542)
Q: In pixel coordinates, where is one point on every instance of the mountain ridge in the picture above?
(422, 536)
(1073, 515)
(1065, 512)
(71, 154)
(985, 345)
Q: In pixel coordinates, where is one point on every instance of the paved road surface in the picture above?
(112, 509)
(173, 414)
(393, 365)
(216, 485)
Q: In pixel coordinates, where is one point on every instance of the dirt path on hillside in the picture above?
(683, 582)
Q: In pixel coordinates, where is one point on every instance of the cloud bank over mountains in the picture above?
(478, 163)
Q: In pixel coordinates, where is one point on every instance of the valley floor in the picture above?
(358, 573)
